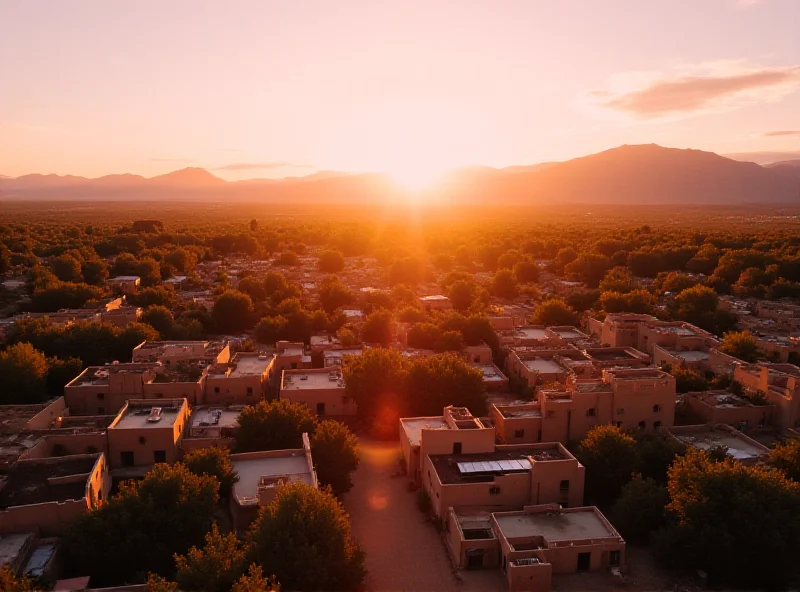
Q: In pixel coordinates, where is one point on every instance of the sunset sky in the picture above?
(268, 88)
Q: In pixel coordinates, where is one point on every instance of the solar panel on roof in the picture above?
(495, 466)
(506, 465)
(465, 467)
(525, 463)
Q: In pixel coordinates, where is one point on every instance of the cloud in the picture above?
(689, 90)
(159, 159)
(252, 166)
(782, 133)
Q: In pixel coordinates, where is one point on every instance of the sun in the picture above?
(416, 176)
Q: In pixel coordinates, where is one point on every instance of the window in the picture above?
(656, 408)
(126, 458)
(620, 411)
(656, 425)
(160, 456)
(619, 424)
(249, 391)
(590, 412)
(584, 561)
(456, 447)
(494, 490)
(519, 433)
(216, 390)
(101, 396)
(476, 359)
(563, 487)
(101, 411)
(320, 408)
(613, 557)
(294, 365)
(539, 436)
(642, 426)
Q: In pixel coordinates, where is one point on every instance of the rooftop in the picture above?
(294, 380)
(554, 527)
(688, 355)
(543, 366)
(413, 427)
(530, 332)
(15, 418)
(292, 465)
(471, 468)
(250, 365)
(141, 415)
(611, 354)
(490, 372)
(519, 411)
(704, 437)
(35, 482)
(215, 416)
(99, 375)
(721, 399)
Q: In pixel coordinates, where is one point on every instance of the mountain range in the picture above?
(640, 174)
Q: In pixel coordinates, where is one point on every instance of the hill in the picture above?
(642, 174)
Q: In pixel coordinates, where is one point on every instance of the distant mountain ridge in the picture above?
(639, 174)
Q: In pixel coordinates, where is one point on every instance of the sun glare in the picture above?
(416, 176)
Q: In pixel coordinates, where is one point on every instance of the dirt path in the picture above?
(403, 551)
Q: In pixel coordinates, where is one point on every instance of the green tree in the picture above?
(378, 328)
(63, 295)
(526, 271)
(303, 537)
(740, 524)
(376, 380)
(654, 457)
(156, 583)
(609, 455)
(687, 380)
(233, 312)
(141, 528)
(504, 284)
(554, 312)
(273, 425)
(270, 329)
(67, 268)
(24, 371)
(330, 262)
(94, 272)
(9, 582)
(441, 380)
(214, 567)
(742, 345)
(215, 462)
(589, 268)
(618, 280)
(333, 294)
(159, 318)
(786, 457)
(462, 294)
(335, 451)
(635, 301)
(59, 373)
(640, 509)
(254, 581)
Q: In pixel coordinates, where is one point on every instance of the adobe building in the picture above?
(494, 380)
(724, 407)
(211, 427)
(534, 367)
(337, 357)
(103, 390)
(780, 384)
(321, 390)
(261, 473)
(173, 352)
(147, 432)
(456, 431)
(125, 284)
(436, 302)
(507, 478)
(620, 329)
(617, 357)
(641, 400)
(244, 380)
(705, 437)
(532, 545)
(675, 336)
(46, 495)
(290, 356)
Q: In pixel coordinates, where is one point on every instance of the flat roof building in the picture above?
(147, 432)
(705, 437)
(260, 473)
(47, 494)
(321, 390)
(244, 380)
(212, 426)
(725, 407)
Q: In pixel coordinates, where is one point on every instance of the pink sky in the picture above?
(273, 88)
